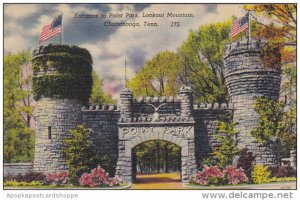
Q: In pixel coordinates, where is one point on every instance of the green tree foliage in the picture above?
(198, 62)
(97, 95)
(275, 123)
(202, 61)
(81, 156)
(18, 108)
(158, 77)
(227, 150)
(277, 23)
(152, 156)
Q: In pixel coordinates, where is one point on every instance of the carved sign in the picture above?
(183, 131)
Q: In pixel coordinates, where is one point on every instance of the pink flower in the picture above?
(58, 178)
(98, 177)
(235, 176)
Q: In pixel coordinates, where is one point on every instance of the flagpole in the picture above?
(125, 77)
(249, 26)
(61, 36)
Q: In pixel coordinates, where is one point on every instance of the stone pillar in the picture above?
(186, 94)
(126, 103)
(247, 78)
(293, 158)
(62, 83)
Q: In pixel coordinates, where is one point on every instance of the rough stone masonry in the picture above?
(117, 129)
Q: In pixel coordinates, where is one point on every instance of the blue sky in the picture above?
(110, 46)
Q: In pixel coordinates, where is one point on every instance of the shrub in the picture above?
(209, 176)
(245, 161)
(22, 183)
(57, 179)
(235, 176)
(214, 176)
(98, 177)
(28, 177)
(282, 171)
(81, 156)
(282, 179)
(260, 174)
(228, 148)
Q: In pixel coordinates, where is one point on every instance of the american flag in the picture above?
(51, 29)
(239, 25)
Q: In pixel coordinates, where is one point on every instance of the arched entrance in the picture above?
(156, 161)
(132, 134)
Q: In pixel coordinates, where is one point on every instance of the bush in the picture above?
(22, 183)
(245, 161)
(214, 176)
(235, 176)
(282, 171)
(57, 179)
(98, 177)
(81, 156)
(209, 176)
(260, 174)
(227, 150)
(28, 177)
(282, 179)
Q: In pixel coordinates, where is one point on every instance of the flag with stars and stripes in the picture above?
(51, 29)
(239, 25)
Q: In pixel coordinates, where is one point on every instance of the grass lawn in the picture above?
(49, 187)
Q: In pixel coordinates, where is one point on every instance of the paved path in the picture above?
(158, 181)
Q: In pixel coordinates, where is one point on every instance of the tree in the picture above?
(158, 77)
(281, 23)
(154, 155)
(277, 23)
(80, 154)
(202, 61)
(228, 149)
(274, 123)
(18, 108)
(97, 95)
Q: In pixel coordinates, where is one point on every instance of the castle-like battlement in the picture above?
(242, 46)
(204, 106)
(104, 107)
(162, 99)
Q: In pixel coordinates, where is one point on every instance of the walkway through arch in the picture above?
(132, 134)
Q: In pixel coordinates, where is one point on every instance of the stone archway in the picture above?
(132, 134)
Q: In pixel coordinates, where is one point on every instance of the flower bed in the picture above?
(98, 178)
(214, 176)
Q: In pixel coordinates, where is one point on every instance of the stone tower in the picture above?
(62, 84)
(247, 78)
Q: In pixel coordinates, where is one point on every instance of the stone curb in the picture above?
(127, 186)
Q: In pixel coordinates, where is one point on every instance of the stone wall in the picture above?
(206, 120)
(102, 121)
(17, 168)
(59, 115)
(246, 79)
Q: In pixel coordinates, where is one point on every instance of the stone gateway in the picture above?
(117, 129)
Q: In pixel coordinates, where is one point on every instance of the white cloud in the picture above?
(14, 43)
(18, 11)
(134, 44)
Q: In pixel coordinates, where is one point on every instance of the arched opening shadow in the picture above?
(156, 161)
